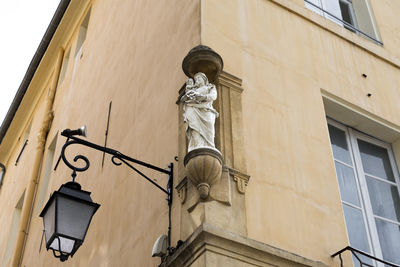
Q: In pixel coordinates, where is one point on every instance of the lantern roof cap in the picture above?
(74, 189)
(71, 190)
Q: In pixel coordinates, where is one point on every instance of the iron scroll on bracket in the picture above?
(117, 159)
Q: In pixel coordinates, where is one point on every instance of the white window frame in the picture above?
(321, 7)
(352, 136)
(326, 6)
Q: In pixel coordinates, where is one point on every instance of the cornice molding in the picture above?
(208, 239)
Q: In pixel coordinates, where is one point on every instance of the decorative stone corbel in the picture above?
(204, 168)
(240, 178)
(182, 189)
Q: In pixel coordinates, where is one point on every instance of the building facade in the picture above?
(308, 127)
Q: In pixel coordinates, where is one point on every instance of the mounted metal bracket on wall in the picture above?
(117, 159)
(106, 132)
(22, 151)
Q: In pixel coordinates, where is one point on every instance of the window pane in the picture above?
(364, 259)
(389, 237)
(347, 183)
(339, 145)
(385, 199)
(333, 8)
(365, 18)
(346, 13)
(1, 177)
(375, 160)
(64, 66)
(356, 228)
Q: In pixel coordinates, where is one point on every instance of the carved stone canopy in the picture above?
(203, 59)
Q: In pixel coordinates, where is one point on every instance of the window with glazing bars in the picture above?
(369, 187)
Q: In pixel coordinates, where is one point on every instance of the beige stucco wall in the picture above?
(285, 57)
(385, 12)
(132, 56)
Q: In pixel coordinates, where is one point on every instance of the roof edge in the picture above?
(33, 65)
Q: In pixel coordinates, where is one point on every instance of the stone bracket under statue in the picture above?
(204, 169)
(230, 179)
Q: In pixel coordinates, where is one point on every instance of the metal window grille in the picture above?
(356, 253)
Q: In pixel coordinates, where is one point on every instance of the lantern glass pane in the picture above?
(73, 217)
(66, 244)
(49, 220)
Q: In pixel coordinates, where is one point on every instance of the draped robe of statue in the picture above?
(199, 115)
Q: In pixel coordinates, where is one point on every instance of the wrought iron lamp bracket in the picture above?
(117, 159)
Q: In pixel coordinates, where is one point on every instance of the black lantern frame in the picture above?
(72, 190)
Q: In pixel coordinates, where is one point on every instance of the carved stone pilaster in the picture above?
(229, 137)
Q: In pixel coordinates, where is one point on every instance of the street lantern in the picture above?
(69, 211)
(66, 218)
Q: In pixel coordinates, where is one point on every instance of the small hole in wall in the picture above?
(364, 75)
(369, 95)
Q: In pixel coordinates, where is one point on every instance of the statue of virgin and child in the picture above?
(199, 115)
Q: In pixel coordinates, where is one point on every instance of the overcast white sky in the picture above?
(22, 26)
